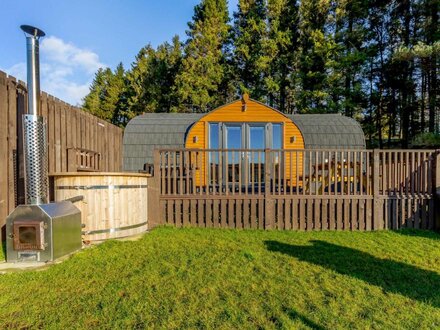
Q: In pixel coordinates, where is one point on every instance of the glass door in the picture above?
(256, 139)
(233, 142)
(242, 160)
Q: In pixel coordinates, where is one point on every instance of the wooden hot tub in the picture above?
(114, 205)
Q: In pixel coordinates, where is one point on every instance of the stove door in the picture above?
(28, 235)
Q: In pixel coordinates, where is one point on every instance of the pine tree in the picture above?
(350, 34)
(159, 85)
(203, 66)
(376, 116)
(92, 101)
(433, 39)
(150, 84)
(315, 56)
(376, 61)
(283, 30)
(136, 81)
(105, 92)
(251, 48)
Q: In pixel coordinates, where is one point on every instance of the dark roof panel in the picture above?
(152, 131)
(329, 131)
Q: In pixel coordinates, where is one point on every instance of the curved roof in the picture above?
(330, 131)
(149, 131)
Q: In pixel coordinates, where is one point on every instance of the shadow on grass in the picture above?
(391, 276)
(418, 233)
(296, 316)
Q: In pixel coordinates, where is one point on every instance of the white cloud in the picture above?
(18, 71)
(66, 71)
(58, 51)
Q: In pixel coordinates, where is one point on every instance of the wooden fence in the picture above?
(76, 141)
(296, 189)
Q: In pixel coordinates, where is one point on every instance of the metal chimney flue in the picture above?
(39, 231)
(34, 125)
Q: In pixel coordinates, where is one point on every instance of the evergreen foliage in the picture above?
(204, 64)
(375, 61)
(105, 93)
(252, 48)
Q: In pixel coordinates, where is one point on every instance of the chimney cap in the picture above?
(33, 31)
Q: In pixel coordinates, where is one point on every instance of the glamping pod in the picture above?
(243, 124)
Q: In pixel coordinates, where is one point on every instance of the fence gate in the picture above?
(295, 189)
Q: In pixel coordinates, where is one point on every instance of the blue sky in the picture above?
(83, 35)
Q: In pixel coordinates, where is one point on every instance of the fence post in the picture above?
(377, 205)
(154, 211)
(268, 201)
(436, 189)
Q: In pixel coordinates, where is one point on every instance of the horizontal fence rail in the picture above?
(297, 189)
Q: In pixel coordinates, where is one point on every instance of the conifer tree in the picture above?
(283, 20)
(376, 61)
(151, 82)
(350, 34)
(316, 51)
(252, 48)
(105, 93)
(136, 102)
(203, 70)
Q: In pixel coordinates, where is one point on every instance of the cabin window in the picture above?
(214, 136)
(277, 136)
(257, 136)
(233, 136)
(235, 165)
(245, 136)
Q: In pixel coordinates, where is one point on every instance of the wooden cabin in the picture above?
(235, 136)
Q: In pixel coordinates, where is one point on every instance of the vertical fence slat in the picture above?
(201, 213)
(295, 222)
(246, 206)
(332, 223)
(287, 215)
(208, 214)
(223, 205)
(302, 219)
(3, 146)
(324, 214)
(253, 213)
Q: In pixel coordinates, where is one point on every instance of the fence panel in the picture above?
(65, 130)
(298, 189)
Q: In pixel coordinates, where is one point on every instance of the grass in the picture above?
(211, 278)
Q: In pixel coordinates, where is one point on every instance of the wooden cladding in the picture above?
(297, 189)
(68, 128)
(256, 112)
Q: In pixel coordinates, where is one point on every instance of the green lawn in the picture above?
(212, 278)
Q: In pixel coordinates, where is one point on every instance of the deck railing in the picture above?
(302, 189)
(295, 172)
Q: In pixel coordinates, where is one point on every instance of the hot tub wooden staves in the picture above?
(114, 205)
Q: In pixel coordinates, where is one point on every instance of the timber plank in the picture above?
(12, 173)
(3, 147)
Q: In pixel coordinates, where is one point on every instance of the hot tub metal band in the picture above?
(141, 186)
(113, 230)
